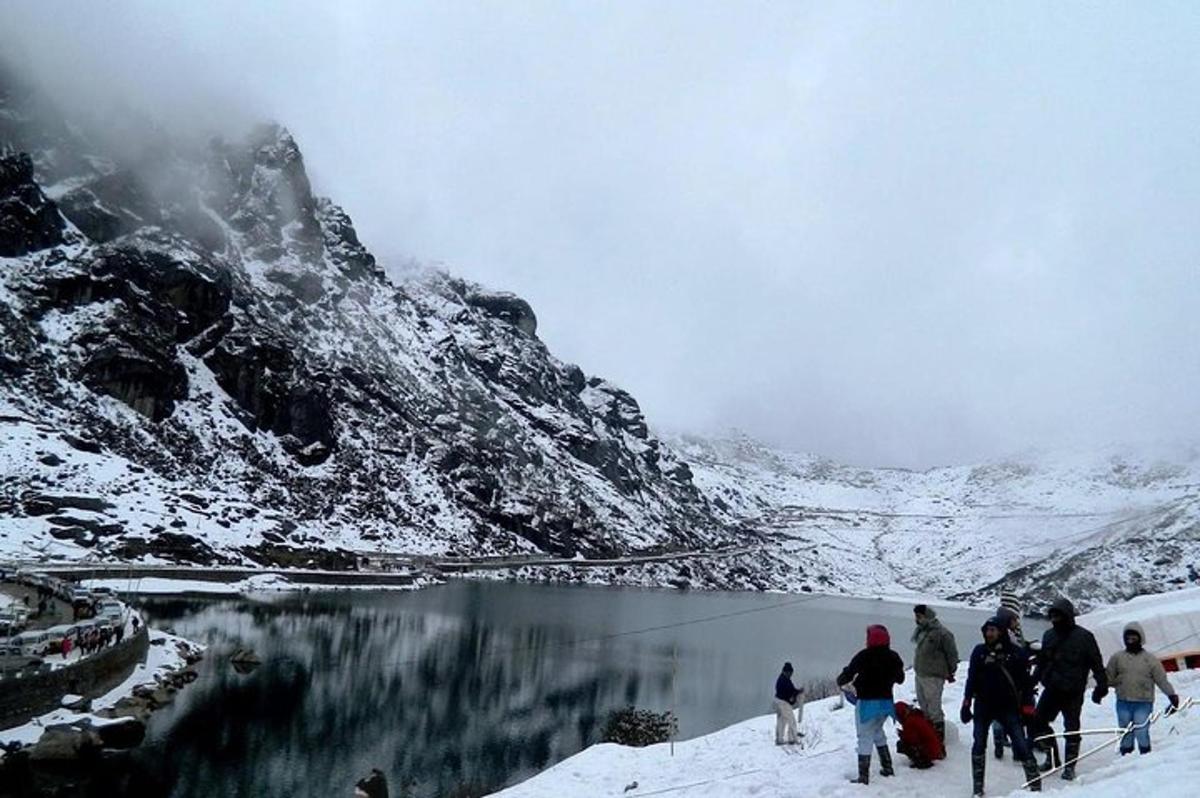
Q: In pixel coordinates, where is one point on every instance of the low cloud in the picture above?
(892, 235)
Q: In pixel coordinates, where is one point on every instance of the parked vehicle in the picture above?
(13, 620)
(31, 642)
(52, 644)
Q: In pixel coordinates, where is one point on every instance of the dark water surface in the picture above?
(461, 689)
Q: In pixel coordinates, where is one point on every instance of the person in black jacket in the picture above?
(1002, 690)
(873, 671)
(786, 696)
(1068, 653)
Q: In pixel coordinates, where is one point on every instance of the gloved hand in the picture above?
(1098, 694)
(1174, 701)
(950, 678)
(965, 713)
(1028, 711)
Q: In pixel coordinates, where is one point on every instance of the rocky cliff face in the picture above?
(192, 337)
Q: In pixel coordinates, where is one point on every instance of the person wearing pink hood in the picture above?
(873, 672)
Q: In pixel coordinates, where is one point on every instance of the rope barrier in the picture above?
(1119, 732)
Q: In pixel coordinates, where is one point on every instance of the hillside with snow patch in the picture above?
(1099, 526)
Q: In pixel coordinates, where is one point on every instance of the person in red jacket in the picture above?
(918, 741)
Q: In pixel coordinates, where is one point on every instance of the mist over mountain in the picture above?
(201, 345)
(893, 236)
(202, 363)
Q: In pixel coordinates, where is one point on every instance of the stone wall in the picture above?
(27, 696)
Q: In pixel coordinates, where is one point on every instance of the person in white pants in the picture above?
(787, 702)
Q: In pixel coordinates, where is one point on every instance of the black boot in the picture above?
(864, 770)
(885, 761)
(1070, 754)
(978, 761)
(940, 728)
(998, 746)
(1145, 750)
(1033, 778)
(1052, 760)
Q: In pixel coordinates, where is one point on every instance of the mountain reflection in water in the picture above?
(461, 689)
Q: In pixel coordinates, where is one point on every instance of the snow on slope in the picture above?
(1099, 526)
(202, 350)
(742, 760)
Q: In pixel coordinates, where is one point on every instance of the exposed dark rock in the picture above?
(82, 444)
(171, 546)
(65, 743)
(51, 460)
(97, 528)
(507, 307)
(277, 556)
(125, 734)
(373, 786)
(244, 660)
(46, 503)
(138, 372)
(28, 221)
(265, 380)
(308, 287)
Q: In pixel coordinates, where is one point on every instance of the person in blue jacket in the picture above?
(1001, 688)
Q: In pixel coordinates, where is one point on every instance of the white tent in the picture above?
(1171, 621)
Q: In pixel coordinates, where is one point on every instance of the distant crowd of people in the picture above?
(1004, 674)
(89, 641)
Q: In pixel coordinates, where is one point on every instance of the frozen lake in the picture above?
(460, 689)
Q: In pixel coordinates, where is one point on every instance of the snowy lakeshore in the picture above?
(167, 654)
(742, 760)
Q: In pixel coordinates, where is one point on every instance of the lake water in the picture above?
(461, 689)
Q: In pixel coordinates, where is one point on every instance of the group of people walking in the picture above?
(89, 641)
(1003, 678)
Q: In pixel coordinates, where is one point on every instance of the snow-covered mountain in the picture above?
(200, 362)
(1100, 526)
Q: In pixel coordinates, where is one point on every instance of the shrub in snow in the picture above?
(638, 727)
(816, 689)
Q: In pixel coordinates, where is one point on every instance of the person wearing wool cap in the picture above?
(935, 661)
(1009, 614)
(1133, 673)
(786, 696)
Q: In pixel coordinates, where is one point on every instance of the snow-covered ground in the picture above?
(164, 655)
(742, 760)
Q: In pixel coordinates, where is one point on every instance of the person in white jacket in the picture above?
(1133, 673)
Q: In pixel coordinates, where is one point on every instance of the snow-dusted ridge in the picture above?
(1100, 526)
(202, 352)
(200, 363)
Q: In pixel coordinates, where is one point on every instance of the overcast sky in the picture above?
(896, 234)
